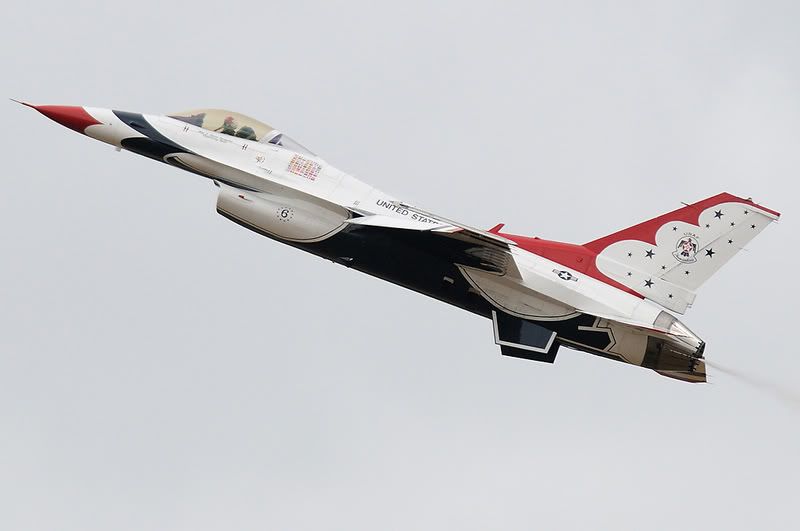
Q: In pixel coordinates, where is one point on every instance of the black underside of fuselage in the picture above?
(422, 262)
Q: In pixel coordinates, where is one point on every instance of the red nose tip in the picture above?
(76, 118)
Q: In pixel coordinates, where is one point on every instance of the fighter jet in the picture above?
(610, 297)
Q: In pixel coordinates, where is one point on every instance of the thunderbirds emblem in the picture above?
(686, 249)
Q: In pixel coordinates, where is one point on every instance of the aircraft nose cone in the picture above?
(76, 118)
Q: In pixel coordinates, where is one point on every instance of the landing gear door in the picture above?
(523, 339)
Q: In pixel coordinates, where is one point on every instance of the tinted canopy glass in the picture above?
(227, 122)
(239, 125)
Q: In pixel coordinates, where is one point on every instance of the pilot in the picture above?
(228, 126)
(246, 132)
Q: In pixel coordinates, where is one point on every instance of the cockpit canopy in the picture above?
(238, 125)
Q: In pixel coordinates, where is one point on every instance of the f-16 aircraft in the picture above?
(607, 297)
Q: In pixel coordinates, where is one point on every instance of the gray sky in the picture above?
(163, 368)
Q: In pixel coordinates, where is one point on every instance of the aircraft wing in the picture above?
(466, 245)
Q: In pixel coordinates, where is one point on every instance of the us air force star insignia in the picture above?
(565, 275)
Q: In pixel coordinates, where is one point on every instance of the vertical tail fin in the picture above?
(668, 257)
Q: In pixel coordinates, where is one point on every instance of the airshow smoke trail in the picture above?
(790, 397)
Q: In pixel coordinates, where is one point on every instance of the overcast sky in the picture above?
(164, 369)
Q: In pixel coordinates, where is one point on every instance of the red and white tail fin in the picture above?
(667, 258)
